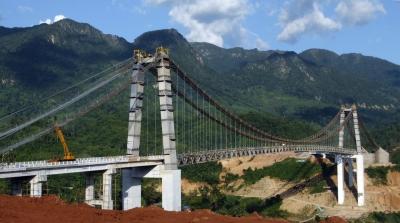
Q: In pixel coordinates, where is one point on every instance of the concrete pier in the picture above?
(340, 188)
(36, 185)
(16, 187)
(350, 172)
(360, 179)
(131, 190)
(171, 190)
(89, 188)
(107, 203)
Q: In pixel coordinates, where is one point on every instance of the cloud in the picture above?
(304, 16)
(210, 21)
(358, 12)
(261, 44)
(59, 17)
(300, 17)
(56, 19)
(24, 9)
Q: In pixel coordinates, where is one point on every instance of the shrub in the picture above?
(230, 177)
(203, 172)
(378, 174)
(288, 170)
(318, 187)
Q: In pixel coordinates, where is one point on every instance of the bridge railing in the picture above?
(78, 162)
(215, 155)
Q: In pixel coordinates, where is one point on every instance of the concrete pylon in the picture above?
(356, 129)
(166, 108)
(36, 185)
(340, 188)
(341, 131)
(107, 201)
(135, 105)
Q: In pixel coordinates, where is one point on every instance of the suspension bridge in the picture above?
(172, 121)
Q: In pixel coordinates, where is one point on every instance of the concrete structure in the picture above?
(166, 108)
(168, 172)
(340, 178)
(171, 186)
(381, 156)
(341, 159)
(350, 172)
(38, 171)
(360, 179)
(135, 106)
(134, 166)
(89, 189)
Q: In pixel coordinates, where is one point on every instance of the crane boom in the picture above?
(68, 156)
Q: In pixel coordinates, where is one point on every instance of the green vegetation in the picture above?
(204, 172)
(378, 174)
(379, 217)
(395, 156)
(230, 177)
(149, 193)
(318, 187)
(271, 89)
(289, 169)
(212, 198)
(284, 127)
(396, 168)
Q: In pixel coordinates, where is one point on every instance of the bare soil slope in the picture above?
(52, 209)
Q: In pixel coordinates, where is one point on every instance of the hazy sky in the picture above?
(370, 27)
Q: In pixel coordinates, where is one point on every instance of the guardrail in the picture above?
(78, 162)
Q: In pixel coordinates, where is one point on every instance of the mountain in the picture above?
(37, 61)
(287, 81)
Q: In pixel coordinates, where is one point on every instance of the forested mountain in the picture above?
(282, 85)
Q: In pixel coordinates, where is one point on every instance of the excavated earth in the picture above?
(51, 209)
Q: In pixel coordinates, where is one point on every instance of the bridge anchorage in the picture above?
(207, 132)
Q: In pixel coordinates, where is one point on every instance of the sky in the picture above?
(370, 27)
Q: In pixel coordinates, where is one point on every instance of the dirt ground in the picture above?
(188, 186)
(51, 209)
(377, 198)
(238, 164)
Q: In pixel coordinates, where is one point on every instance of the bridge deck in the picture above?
(31, 168)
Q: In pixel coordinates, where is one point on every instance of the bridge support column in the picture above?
(36, 185)
(360, 179)
(135, 106)
(16, 187)
(166, 108)
(350, 171)
(107, 202)
(89, 190)
(131, 190)
(171, 190)
(340, 188)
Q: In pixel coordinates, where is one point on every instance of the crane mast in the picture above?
(68, 156)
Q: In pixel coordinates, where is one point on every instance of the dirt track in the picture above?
(52, 209)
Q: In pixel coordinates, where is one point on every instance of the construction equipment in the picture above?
(68, 156)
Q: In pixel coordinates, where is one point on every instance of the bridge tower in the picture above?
(341, 160)
(168, 171)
